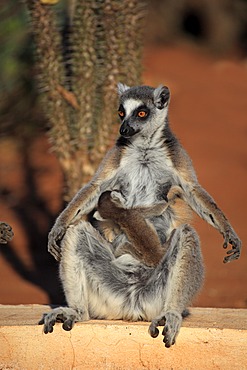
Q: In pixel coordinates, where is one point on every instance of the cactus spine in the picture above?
(104, 40)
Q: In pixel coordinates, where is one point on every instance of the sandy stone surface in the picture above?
(209, 339)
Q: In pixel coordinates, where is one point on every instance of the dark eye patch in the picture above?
(141, 108)
(121, 111)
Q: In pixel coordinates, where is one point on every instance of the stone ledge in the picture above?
(209, 339)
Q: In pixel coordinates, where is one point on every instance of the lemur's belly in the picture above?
(145, 180)
(143, 186)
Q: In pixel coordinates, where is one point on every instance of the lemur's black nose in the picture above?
(126, 130)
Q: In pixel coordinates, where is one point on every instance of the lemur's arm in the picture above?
(147, 211)
(204, 205)
(206, 208)
(84, 201)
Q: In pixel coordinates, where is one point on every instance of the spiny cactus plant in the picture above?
(6, 233)
(104, 46)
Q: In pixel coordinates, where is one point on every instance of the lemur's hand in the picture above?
(54, 238)
(234, 253)
(6, 233)
(118, 199)
(174, 193)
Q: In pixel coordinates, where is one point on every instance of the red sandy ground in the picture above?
(208, 113)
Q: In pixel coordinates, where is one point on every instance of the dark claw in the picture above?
(50, 326)
(165, 330)
(41, 322)
(232, 257)
(162, 321)
(225, 245)
(68, 325)
(47, 329)
(55, 251)
(154, 332)
(167, 342)
(51, 329)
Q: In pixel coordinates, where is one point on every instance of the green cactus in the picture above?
(105, 47)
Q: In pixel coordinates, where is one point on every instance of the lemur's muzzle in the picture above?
(126, 130)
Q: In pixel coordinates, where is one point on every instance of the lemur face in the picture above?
(142, 109)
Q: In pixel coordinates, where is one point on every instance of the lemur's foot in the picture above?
(174, 193)
(67, 315)
(123, 249)
(171, 321)
(230, 238)
(118, 199)
(6, 233)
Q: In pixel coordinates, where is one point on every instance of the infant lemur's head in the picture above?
(107, 208)
(142, 109)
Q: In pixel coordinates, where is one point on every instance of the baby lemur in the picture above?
(142, 239)
(145, 162)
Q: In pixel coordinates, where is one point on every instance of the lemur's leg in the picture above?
(85, 266)
(148, 211)
(151, 255)
(184, 264)
(72, 275)
(98, 285)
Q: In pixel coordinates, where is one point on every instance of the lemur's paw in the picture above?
(118, 199)
(160, 207)
(171, 321)
(6, 233)
(174, 193)
(66, 315)
(233, 254)
(54, 238)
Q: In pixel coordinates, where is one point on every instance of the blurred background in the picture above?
(198, 49)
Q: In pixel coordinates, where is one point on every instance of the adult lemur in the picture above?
(146, 161)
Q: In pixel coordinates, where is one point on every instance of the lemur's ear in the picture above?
(122, 88)
(161, 96)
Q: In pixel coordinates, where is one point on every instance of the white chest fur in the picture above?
(143, 173)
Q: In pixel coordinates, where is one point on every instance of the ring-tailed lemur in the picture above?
(146, 161)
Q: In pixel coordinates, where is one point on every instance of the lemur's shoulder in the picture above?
(178, 155)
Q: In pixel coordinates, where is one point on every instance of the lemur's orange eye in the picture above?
(142, 114)
(121, 113)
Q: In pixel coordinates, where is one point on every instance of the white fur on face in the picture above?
(130, 105)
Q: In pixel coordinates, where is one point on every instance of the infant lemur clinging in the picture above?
(142, 239)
